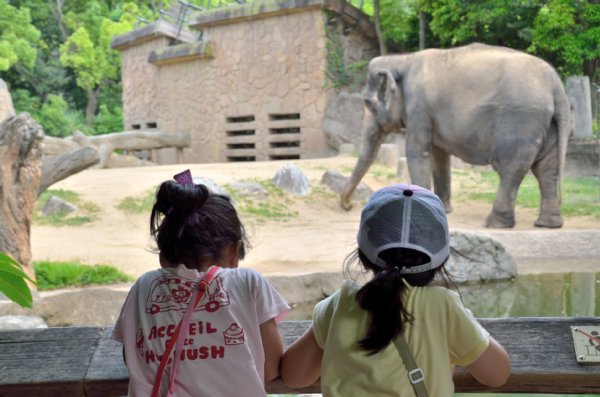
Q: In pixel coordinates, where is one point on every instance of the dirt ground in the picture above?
(316, 241)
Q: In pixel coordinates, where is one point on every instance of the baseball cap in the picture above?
(404, 216)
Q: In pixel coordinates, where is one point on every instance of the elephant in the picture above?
(483, 104)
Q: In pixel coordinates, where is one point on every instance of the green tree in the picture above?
(499, 22)
(18, 37)
(567, 33)
(87, 50)
(57, 119)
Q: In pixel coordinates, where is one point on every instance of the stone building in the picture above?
(248, 82)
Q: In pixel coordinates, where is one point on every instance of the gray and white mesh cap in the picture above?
(404, 216)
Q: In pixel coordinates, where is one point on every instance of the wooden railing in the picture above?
(84, 361)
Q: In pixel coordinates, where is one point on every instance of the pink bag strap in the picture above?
(178, 337)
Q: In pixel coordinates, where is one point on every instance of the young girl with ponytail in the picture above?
(397, 335)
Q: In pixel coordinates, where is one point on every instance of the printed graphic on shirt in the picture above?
(194, 345)
(234, 335)
(172, 293)
(169, 293)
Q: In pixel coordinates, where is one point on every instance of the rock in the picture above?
(210, 184)
(336, 181)
(55, 205)
(91, 306)
(388, 155)
(6, 105)
(579, 93)
(291, 179)
(343, 120)
(305, 288)
(21, 322)
(479, 257)
(250, 189)
(402, 170)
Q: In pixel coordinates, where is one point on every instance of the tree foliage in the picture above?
(567, 32)
(564, 32)
(18, 37)
(498, 22)
(55, 55)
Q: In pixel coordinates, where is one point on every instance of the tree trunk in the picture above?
(422, 30)
(20, 172)
(92, 105)
(58, 15)
(376, 16)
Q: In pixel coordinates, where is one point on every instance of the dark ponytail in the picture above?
(383, 295)
(191, 224)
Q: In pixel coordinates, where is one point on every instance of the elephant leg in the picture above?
(503, 210)
(546, 172)
(372, 138)
(515, 148)
(418, 155)
(440, 161)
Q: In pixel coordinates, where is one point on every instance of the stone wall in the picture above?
(140, 85)
(257, 92)
(268, 79)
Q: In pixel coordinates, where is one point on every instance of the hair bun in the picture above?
(182, 198)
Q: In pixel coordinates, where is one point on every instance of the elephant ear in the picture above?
(387, 87)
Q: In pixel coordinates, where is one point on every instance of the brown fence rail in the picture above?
(84, 361)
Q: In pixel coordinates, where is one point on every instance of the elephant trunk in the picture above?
(372, 138)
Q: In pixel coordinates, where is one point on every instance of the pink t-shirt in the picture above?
(222, 354)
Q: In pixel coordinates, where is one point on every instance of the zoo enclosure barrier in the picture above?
(84, 361)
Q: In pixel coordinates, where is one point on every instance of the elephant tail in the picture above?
(562, 118)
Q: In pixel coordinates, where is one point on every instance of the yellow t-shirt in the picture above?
(443, 333)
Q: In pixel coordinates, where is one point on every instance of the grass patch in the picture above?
(276, 207)
(379, 171)
(88, 212)
(580, 196)
(54, 275)
(138, 205)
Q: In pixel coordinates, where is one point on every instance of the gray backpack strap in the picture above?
(415, 374)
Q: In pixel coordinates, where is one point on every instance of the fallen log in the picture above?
(135, 139)
(57, 168)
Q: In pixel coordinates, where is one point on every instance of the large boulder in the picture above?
(13, 322)
(343, 120)
(336, 182)
(479, 257)
(55, 206)
(291, 179)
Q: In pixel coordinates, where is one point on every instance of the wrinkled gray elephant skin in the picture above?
(483, 104)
